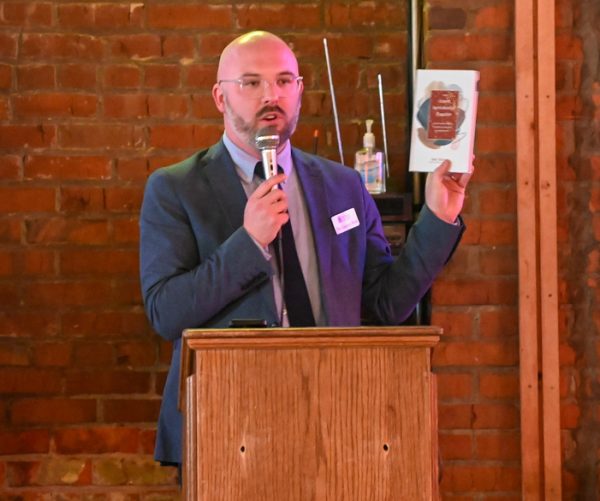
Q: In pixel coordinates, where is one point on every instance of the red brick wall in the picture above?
(95, 96)
(476, 299)
(578, 114)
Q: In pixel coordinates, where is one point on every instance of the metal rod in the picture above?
(382, 110)
(415, 35)
(415, 58)
(335, 115)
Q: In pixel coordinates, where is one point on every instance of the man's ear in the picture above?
(218, 97)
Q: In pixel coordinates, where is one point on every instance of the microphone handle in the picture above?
(269, 160)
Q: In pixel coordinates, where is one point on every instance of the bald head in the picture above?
(238, 57)
(272, 91)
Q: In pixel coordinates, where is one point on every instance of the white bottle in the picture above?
(369, 162)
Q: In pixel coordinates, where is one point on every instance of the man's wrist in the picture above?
(263, 249)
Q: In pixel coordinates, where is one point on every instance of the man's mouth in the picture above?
(270, 115)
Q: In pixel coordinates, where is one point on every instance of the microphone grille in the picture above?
(267, 138)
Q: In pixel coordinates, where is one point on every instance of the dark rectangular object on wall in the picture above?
(396, 215)
(395, 207)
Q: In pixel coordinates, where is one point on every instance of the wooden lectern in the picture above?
(337, 414)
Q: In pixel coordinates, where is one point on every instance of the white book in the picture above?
(444, 119)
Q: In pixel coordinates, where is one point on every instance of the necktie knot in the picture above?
(259, 171)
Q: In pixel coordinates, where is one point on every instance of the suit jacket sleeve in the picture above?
(189, 275)
(393, 286)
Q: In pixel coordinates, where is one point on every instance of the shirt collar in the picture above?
(247, 162)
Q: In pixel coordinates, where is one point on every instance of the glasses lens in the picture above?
(251, 86)
(284, 86)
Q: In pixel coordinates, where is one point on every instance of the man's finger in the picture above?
(444, 167)
(464, 179)
(268, 185)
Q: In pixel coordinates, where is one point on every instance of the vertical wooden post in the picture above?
(538, 275)
(549, 339)
(527, 236)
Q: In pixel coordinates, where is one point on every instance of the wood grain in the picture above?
(314, 422)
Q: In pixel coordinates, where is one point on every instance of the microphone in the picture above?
(267, 141)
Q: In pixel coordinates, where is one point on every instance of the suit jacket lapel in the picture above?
(315, 194)
(224, 181)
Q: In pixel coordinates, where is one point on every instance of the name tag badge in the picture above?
(345, 221)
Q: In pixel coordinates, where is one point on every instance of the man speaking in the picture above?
(305, 246)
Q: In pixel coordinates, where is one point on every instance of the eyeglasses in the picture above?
(254, 87)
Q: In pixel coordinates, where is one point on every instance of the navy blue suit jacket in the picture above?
(201, 269)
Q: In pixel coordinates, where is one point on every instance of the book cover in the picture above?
(444, 119)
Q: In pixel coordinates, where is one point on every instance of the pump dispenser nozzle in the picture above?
(369, 137)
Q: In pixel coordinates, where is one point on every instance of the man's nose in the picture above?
(269, 93)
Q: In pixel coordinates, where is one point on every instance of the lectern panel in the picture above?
(313, 423)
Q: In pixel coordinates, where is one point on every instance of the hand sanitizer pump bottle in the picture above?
(369, 162)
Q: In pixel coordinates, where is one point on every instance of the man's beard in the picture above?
(248, 130)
